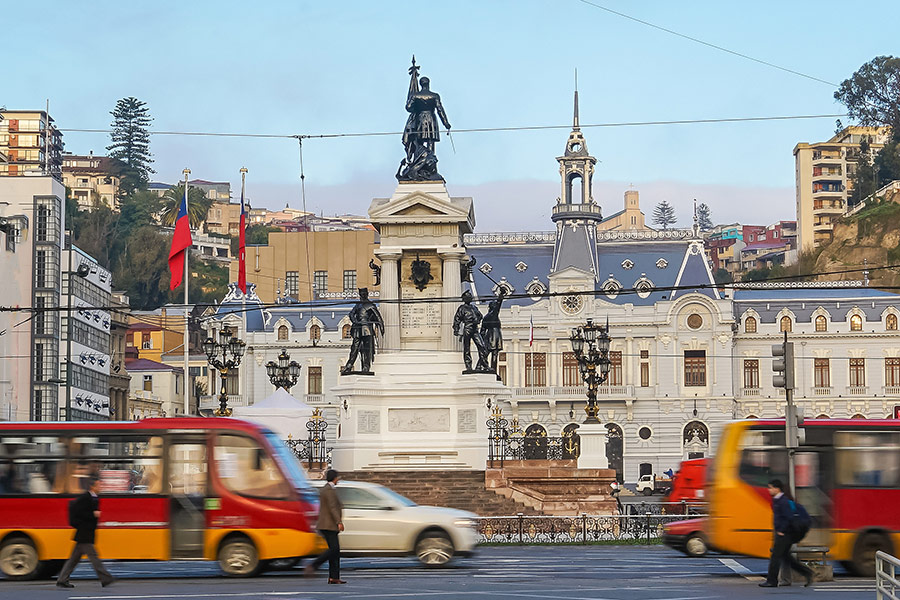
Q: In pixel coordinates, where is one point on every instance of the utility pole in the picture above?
(783, 377)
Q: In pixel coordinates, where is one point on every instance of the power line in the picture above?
(477, 129)
(708, 44)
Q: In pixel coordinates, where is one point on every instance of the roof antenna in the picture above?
(575, 121)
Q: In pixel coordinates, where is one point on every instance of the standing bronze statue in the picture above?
(465, 325)
(421, 131)
(490, 330)
(365, 321)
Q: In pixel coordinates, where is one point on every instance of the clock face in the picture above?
(572, 304)
(576, 147)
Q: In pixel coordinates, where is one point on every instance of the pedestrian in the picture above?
(84, 514)
(784, 537)
(329, 525)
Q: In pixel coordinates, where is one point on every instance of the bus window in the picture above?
(125, 463)
(247, 469)
(29, 463)
(761, 465)
(187, 469)
(867, 458)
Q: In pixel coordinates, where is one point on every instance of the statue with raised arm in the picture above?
(422, 130)
(465, 325)
(365, 322)
(490, 330)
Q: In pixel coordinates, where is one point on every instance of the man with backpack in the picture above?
(84, 514)
(790, 524)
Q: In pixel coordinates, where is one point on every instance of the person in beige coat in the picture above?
(329, 526)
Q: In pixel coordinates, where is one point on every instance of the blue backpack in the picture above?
(800, 521)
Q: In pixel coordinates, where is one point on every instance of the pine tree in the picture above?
(130, 146)
(663, 215)
(703, 219)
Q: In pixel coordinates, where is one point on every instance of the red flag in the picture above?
(181, 241)
(242, 252)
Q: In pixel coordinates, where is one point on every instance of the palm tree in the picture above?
(198, 205)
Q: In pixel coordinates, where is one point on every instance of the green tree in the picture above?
(723, 276)
(256, 235)
(663, 215)
(760, 274)
(872, 93)
(864, 178)
(703, 218)
(198, 205)
(143, 268)
(130, 147)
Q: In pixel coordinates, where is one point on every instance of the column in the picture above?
(390, 292)
(452, 289)
(593, 446)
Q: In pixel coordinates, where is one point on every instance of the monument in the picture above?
(416, 408)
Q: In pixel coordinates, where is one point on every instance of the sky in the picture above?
(297, 67)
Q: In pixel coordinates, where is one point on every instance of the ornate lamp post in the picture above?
(224, 355)
(284, 373)
(590, 343)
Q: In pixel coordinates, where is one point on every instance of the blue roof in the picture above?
(811, 294)
(503, 261)
(644, 257)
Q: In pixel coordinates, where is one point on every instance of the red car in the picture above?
(686, 536)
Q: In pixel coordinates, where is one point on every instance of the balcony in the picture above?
(583, 211)
(821, 391)
(857, 390)
(891, 390)
(833, 209)
(750, 392)
(570, 391)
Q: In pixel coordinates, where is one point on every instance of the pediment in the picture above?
(419, 209)
(421, 204)
(572, 274)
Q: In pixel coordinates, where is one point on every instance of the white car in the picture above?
(380, 522)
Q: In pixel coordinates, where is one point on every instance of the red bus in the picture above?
(847, 476)
(171, 489)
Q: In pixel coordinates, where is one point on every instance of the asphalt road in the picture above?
(495, 573)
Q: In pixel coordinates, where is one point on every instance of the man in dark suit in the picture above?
(84, 513)
(329, 525)
(784, 537)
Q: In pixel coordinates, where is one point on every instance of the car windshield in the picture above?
(401, 500)
(289, 462)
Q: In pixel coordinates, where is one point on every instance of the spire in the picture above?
(575, 122)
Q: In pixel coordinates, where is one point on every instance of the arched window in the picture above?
(821, 323)
(282, 332)
(890, 322)
(823, 416)
(786, 324)
(315, 333)
(345, 332)
(750, 325)
(858, 416)
(571, 445)
(855, 323)
(696, 431)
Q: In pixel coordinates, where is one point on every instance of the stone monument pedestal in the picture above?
(593, 446)
(418, 411)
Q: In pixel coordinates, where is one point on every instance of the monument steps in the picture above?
(464, 490)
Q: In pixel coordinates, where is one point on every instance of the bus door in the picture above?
(814, 481)
(188, 482)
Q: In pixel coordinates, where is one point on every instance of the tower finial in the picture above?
(575, 122)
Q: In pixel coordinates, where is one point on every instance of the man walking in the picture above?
(84, 513)
(329, 525)
(784, 537)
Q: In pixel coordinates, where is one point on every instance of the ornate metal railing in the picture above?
(682, 508)
(506, 441)
(313, 450)
(581, 529)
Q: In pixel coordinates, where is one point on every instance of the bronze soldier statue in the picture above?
(365, 320)
(421, 131)
(490, 329)
(465, 325)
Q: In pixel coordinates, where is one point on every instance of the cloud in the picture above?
(522, 205)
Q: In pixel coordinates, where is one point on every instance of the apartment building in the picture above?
(91, 180)
(822, 175)
(30, 144)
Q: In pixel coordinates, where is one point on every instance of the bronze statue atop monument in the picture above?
(422, 131)
(365, 322)
(465, 325)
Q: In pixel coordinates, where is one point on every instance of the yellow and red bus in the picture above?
(847, 476)
(171, 489)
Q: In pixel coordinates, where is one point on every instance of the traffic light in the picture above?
(783, 365)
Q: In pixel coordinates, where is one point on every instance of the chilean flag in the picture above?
(181, 241)
(242, 251)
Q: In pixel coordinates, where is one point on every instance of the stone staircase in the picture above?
(464, 490)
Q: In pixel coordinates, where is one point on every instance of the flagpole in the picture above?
(187, 253)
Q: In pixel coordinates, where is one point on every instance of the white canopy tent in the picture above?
(280, 412)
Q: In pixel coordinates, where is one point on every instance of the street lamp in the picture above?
(217, 355)
(284, 373)
(590, 344)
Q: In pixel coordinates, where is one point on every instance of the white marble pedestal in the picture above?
(593, 446)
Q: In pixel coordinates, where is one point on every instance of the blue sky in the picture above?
(328, 67)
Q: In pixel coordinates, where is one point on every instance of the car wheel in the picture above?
(19, 559)
(864, 552)
(434, 548)
(647, 492)
(695, 546)
(283, 564)
(238, 557)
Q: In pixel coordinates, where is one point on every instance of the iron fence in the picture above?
(682, 508)
(314, 450)
(580, 529)
(506, 441)
(887, 584)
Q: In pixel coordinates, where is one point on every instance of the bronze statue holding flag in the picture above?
(422, 130)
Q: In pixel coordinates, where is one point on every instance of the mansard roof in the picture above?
(803, 298)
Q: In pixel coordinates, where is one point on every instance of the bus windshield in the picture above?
(289, 462)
